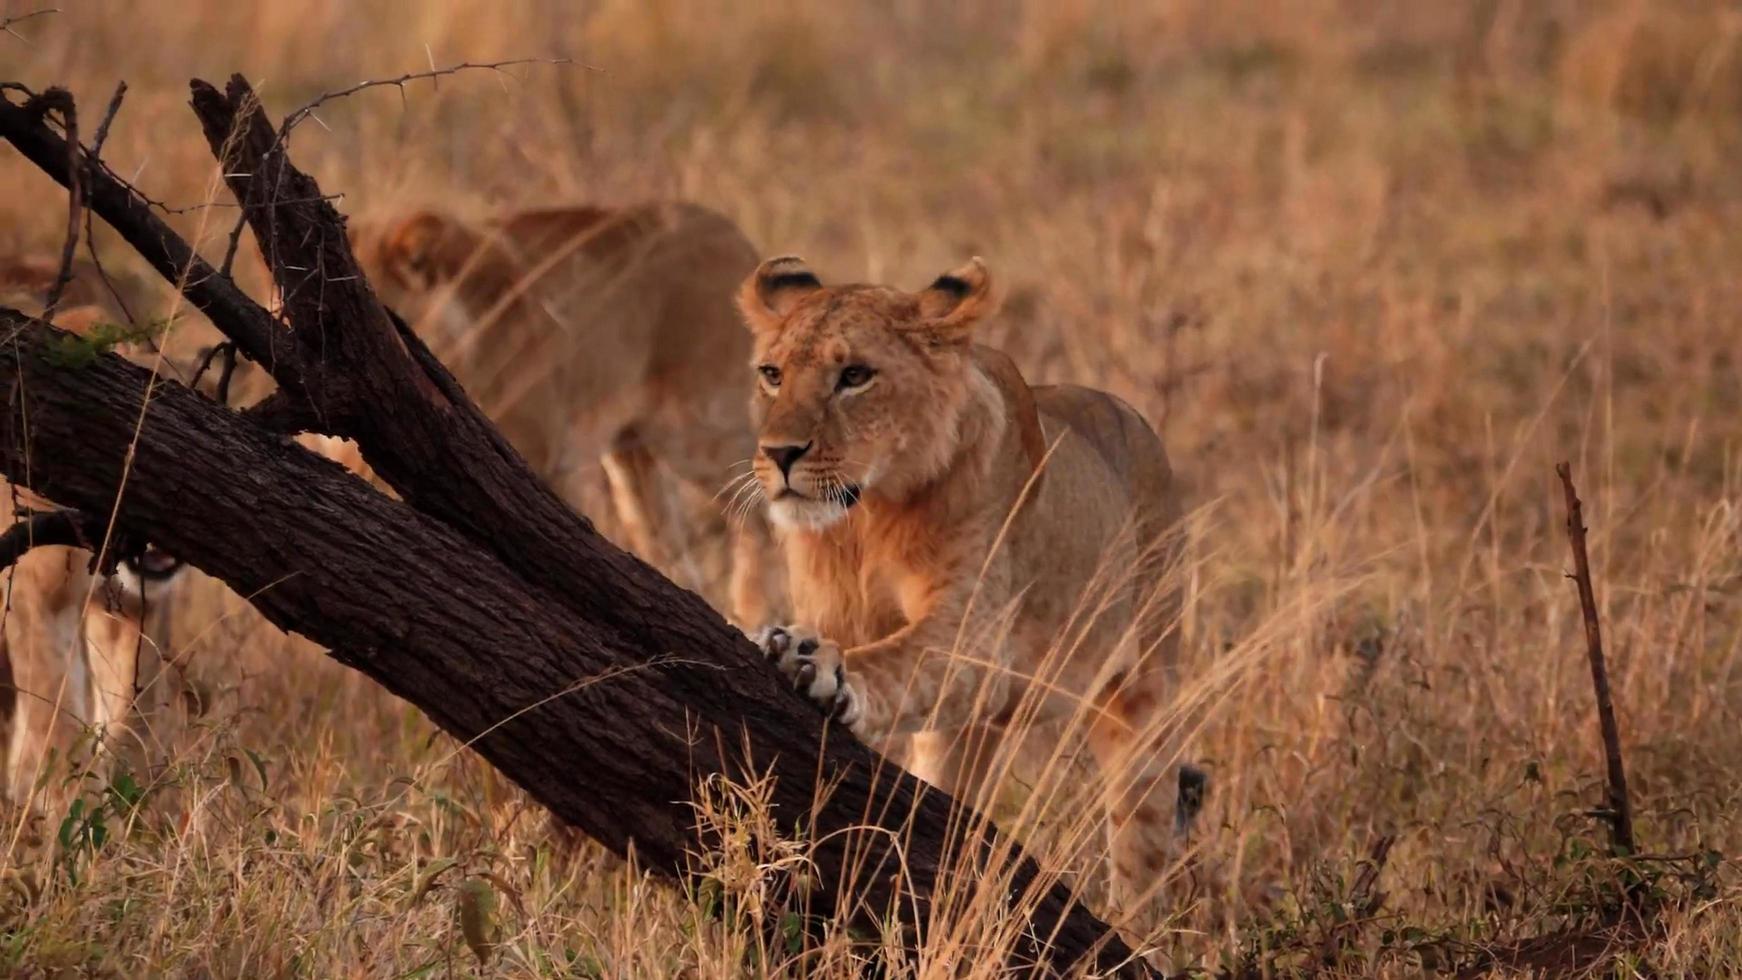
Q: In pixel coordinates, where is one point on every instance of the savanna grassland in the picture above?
(1371, 269)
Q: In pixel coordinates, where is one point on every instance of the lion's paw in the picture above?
(816, 669)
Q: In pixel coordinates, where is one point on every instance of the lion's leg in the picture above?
(23, 645)
(10, 722)
(69, 639)
(706, 445)
(159, 687)
(45, 643)
(112, 655)
(958, 762)
(20, 761)
(756, 593)
(1151, 798)
(586, 487)
(632, 473)
(127, 646)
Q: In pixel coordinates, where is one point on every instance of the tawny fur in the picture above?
(965, 553)
(81, 655)
(595, 338)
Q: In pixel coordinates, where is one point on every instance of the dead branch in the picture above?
(108, 120)
(91, 163)
(259, 337)
(1620, 811)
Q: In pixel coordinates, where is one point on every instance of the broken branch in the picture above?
(1620, 813)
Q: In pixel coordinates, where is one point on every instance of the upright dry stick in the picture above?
(1620, 811)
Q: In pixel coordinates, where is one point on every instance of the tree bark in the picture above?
(603, 689)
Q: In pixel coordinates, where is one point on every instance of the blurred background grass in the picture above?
(1370, 268)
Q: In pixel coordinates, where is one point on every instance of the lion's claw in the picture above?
(774, 641)
(816, 669)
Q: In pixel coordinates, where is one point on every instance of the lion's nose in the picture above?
(785, 456)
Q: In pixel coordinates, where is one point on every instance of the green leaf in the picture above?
(477, 913)
(125, 793)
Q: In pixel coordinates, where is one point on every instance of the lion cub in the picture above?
(967, 555)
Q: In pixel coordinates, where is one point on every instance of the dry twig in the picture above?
(296, 117)
(7, 22)
(1620, 811)
(93, 157)
(226, 350)
(60, 100)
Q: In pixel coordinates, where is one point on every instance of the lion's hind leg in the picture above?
(1152, 797)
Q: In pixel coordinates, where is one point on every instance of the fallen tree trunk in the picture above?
(600, 687)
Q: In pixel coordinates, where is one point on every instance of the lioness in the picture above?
(78, 650)
(588, 333)
(966, 553)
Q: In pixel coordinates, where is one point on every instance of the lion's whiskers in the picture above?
(747, 495)
(733, 485)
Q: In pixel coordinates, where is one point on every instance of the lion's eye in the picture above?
(855, 376)
(770, 374)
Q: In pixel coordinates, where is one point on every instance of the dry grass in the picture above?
(1372, 274)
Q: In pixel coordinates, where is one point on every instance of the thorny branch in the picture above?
(1620, 811)
(7, 22)
(307, 111)
(296, 117)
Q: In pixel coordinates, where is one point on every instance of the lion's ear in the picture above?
(774, 289)
(957, 300)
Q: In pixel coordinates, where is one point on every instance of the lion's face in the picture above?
(858, 389)
(413, 263)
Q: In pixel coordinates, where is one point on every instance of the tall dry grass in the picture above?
(1370, 269)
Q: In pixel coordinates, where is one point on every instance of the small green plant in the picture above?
(82, 831)
(77, 351)
(86, 827)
